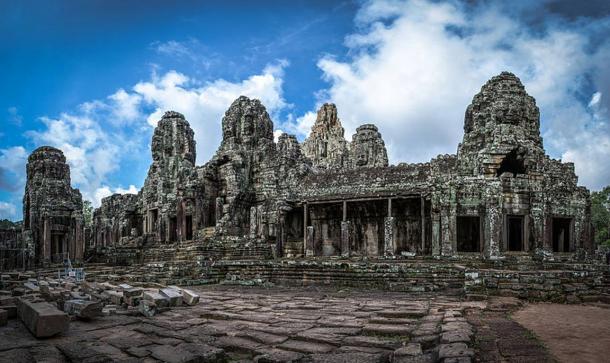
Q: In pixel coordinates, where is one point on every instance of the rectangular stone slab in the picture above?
(174, 296)
(190, 297)
(83, 309)
(42, 319)
(158, 299)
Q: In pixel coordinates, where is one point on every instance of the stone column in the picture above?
(423, 225)
(219, 207)
(253, 224)
(493, 230)
(436, 234)
(388, 237)
(46, 239)
(345, 238)
(309, 249)
(305, 213)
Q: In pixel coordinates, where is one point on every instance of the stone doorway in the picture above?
(514, 233)
(468, 234)
(561, 234)
(59, 248)
(189, 228)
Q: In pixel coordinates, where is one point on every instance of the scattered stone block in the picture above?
(83, 309)
(174, 296)
(147, 308)
(134, 291)
(42, 319)
(189, 297)
(158, 299)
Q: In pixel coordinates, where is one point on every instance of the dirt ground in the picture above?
(572, 333)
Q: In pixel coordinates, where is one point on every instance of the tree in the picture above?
(88, 213)
(600, 215)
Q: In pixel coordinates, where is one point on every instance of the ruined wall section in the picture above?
(118, 221)
(52, 209)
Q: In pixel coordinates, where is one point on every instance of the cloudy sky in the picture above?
(92, 78)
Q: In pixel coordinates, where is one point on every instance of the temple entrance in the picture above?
(189, 228)
(58, 247)
(514, 233)
(407, 216)
(326, 222)
(468, 234)
(561, 234)
(367, 218)
(173, 235)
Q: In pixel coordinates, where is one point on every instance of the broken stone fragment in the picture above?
(147, 308)
(190, 297)
(125, 287)
(131, 292)
(83, 309)
(174, 296)
(115, 297)
(42, 319)
(158, 299)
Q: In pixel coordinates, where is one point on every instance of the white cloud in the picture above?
(12, 168)
(106, 191)
(414, 66)
(204, 106)
(14, 116)
(8, 211)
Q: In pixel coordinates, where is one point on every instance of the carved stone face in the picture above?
(248, 125)
(362, 156)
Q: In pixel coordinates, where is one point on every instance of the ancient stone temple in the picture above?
(52, 209)
(499, 195)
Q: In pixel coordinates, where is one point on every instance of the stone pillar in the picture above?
(345, 238)
(309, 238)
(46, 239)
(436, 234)
(422, 225)
(493, 230)
(253, 224)
(305, 213)
(219, 209)
(388, 236)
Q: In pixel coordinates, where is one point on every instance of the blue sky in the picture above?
(93, 77)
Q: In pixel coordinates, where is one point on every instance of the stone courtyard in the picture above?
(244, 324)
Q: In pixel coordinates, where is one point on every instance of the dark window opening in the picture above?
(468, 234)
(154, 216)
(561, 234)
(173, 235)
(189, 228)
(514, 226)
(512, 163)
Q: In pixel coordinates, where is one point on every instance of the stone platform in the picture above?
(272, 325)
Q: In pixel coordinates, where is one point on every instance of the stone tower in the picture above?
(52, 209)
(501, 130)
(326, 146)
(172, 193)
(367, 148)
(244, 167)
